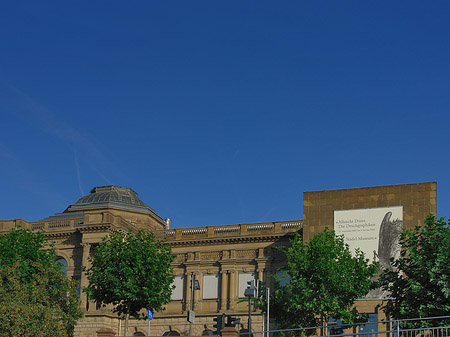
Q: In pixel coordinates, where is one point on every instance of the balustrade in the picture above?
(176, 233)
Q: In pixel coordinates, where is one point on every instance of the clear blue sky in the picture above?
(220, 112)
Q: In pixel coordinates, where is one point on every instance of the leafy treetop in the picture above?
(420, 284)
(325, 280)
(36, 299)
(131, 272)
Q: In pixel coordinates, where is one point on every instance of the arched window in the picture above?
(138, 334)
(171, 333)
(209, 333)
(61, 261)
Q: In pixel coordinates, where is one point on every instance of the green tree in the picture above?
(420, 284)
(325, 280)
(36, 299)
(131, 272)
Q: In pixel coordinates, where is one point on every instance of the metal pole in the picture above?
(192, 301)
(249, 315)
(268, 321)
(148, 330)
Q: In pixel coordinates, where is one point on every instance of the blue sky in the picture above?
(220, 112)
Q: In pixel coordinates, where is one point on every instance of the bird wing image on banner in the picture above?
(375, 231)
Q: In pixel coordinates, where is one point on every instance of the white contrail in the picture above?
(77, 166)
(41, 117)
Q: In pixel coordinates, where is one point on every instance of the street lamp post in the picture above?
(191, 315)
(250, 292)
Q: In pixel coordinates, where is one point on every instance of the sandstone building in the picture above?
(223, 258)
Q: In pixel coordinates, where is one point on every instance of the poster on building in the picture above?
(375, 231)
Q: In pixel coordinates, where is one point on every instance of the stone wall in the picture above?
(418, 200)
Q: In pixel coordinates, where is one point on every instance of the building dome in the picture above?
(112, 196)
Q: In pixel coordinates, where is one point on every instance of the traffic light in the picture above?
(249, 292)
(233, 321)
(251, 289)
(220, 323)
(261, 289)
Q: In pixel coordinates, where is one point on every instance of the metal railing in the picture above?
(416, 327)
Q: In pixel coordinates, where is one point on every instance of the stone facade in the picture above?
(224, 253)
(225, 256)
(418, 200)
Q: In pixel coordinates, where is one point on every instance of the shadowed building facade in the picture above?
(221, 258)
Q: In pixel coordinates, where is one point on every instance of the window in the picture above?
(210, 286)
(63, 264)
(243, 279)
(335, 327)
(370, 327)
(178, 291)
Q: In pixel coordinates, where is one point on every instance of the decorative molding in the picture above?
(227, 240)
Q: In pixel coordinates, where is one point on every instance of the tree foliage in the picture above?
(325, 280)
(36, 299)
(131, 272)
(420, 284)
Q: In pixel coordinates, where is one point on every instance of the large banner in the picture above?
(375, 231)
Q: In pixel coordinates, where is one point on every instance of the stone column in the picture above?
(233, 292)
(84, 280)
(188, 290)
(261, 267)
(260, 274)
(223, 290)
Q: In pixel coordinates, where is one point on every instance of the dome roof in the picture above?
(112, 196)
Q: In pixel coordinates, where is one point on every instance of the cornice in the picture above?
(59, 234)
(227, 240)
(99, 228)
(84, 229)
